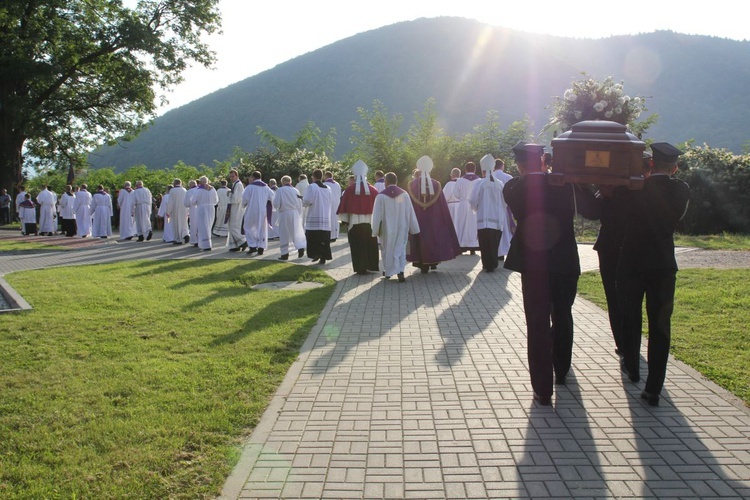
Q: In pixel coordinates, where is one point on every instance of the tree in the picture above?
(378, 140)
(77, 72)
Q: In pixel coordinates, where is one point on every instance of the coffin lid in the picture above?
(599, 131)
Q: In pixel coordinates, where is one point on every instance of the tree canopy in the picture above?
(74, 73)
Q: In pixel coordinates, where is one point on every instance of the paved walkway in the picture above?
(420, 390)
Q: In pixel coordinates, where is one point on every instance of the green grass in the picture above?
(139, 379)
(724, 241)
(709, 324)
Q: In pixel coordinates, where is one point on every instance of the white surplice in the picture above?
(221, 228)
(466, 218)
(83, 213)
(507, 234)
(127, 209)
(288, 206)
(255, 200)
(168, 236)
(47, 201)
(393, 219)
(235, 238)
(142, 201)
(487, 200)
(203, 210)
(335, 188)
(178, 213)
(101, 213)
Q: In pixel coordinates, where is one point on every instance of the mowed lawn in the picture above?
(140, 379)
(709, 325)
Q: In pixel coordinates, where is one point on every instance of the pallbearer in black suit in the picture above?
(544, 251)
(647, 266)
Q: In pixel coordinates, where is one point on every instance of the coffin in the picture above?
(598, 152)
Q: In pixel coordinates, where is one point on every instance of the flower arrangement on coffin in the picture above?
(589, 99)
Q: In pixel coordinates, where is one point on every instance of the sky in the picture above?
(258, 35)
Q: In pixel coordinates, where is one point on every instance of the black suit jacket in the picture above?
(651, 219)
(544, 239)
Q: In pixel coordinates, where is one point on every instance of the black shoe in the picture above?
(206, 249)
(260, 251)
(300, 253)
(401, 278)
(651, 399)
(284, 257)
(186, 239)
(633, 376)
(251, 250)
(236, 249)
(150, 234)
(322, 261)
(140, 238)
(128, 238)
(242, 247)
(177, 243)
(543, 400)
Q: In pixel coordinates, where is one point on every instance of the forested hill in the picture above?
(697, 84)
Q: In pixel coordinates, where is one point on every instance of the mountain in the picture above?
(697, 84)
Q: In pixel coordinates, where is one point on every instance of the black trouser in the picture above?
(363, 247)
(608, 271)
(318, 244)
(548, 305)
(489, 245)
(658, 287)
(69, 226)
(5, 215)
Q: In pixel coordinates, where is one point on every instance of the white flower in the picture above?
(570, 95)
(608, 114)
(618, 110)
(593, 95)
(626, 98)
(577, 114)
(598, 107)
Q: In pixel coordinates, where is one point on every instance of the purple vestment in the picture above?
(436, 240)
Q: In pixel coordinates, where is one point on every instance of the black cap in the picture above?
(525, 150)
(665, 152)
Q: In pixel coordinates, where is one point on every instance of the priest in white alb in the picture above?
(487, 200)
(317, 201)
(393, 220)
(188, 203)
(465, 218)
(221, 228)
(287, 203)
(236, 241)
(47, 200)
(143, 204)
(178, 213)
(168, 235)
(82, 207)
(101, 213)
(203, 210)
(127, 209)
(335, 201)
(257, 219)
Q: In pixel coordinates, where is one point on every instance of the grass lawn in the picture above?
(724, 241)
(709, 324)
(139, 379)
(20, 245)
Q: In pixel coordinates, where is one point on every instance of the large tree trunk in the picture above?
(10, 162)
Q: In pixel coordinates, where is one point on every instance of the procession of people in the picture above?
(524, 222)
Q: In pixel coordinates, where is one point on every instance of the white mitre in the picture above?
(487, 164)
(424, 165)
(359, 169)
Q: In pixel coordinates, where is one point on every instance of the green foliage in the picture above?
(84, 72)
(589, 99)
(719, 191)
